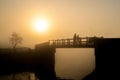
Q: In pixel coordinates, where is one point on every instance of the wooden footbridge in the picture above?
(81, 42)
(41, 60)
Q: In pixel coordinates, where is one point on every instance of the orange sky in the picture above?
(84, 17)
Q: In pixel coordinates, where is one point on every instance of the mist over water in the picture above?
(74, 63)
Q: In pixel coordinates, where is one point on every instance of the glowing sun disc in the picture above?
(41, 25)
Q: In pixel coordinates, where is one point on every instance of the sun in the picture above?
(40, 25)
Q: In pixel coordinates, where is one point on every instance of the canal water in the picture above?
(74, 63)
(70, 63)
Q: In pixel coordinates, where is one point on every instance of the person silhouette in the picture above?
(74, 39)
(78, 39)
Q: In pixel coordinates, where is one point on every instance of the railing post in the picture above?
(87, 40)
(68, 41)
(57, 42)
(63, 42)
(80, 41)
(53, 42)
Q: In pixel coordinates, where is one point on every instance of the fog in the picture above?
(74, 63)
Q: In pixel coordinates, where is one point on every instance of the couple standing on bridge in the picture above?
(76, 39)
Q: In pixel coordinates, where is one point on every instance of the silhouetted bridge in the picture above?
(81, 42)
(41, 60)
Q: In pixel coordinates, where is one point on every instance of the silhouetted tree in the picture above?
(15, 39)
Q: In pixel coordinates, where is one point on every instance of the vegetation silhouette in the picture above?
(15, 39)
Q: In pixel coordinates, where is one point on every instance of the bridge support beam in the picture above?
(46, 58)
(107, 60)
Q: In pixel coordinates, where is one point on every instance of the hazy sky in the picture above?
(84, 17)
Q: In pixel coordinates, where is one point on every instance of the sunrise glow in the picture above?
(40, 25)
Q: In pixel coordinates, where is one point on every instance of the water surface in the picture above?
(74, 63)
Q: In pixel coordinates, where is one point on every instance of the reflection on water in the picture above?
(74, 63)
(19, 76)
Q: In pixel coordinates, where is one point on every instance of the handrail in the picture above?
(81, 41)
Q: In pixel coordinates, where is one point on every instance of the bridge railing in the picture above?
(82, 41)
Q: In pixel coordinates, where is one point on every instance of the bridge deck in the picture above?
(82, 42)
(73, 46)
